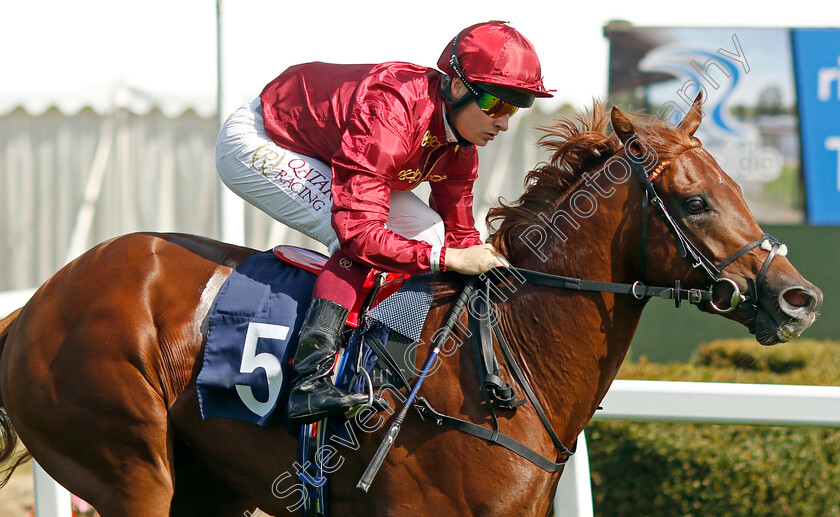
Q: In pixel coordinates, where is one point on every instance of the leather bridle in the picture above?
(689, 251)
(501, 394)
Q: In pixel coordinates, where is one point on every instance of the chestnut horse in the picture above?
(98, 370)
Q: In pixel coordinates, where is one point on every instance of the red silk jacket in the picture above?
(380, 127)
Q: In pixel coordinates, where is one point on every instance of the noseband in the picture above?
(689, 251)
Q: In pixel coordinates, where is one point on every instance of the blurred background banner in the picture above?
(746, 77)
(817, 60)
(771, 120)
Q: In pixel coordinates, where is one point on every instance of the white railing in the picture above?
(696, 402)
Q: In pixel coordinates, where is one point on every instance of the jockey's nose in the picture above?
(502, 122)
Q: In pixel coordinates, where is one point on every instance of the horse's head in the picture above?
(704, 217)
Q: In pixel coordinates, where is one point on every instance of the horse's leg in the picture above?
(85, 408)
(108, 451)
(258, 462)
(94, 360)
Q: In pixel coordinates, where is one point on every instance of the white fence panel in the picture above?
(51, 499)
(696, 402)
(722, 403)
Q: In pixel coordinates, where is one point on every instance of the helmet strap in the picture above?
(453, 105)
(463, 142)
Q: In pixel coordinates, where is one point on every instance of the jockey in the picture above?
(334, 150)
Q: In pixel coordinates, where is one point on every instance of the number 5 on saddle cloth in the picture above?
(252, 336)
(253, 327)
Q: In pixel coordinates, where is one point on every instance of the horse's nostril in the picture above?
(798, 297)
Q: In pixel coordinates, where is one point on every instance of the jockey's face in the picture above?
(473, 124)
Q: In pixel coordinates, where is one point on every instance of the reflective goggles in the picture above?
(493, 106)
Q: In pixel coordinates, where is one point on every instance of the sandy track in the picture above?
(18, 497)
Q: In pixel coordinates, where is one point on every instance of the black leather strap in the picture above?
(774, 248)
(492, 436)
(482, 340)
(637, 290)
(738, 254)
(520, 377)
(382, 352)
(482, 307)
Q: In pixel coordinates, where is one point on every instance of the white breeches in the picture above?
(295, 189)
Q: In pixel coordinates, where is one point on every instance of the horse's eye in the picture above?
(695, 205)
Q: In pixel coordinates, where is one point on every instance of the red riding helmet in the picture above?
(498, 59)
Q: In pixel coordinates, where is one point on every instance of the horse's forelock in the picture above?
(665, 140)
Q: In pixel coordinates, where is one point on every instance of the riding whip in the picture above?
(391, 436)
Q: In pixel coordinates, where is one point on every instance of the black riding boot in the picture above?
(313, 396)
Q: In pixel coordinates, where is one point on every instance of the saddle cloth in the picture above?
(253, 329)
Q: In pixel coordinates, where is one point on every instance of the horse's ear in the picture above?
(694, 116)
(622, 125)
(626, 131)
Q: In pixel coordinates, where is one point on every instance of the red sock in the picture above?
(340, 280)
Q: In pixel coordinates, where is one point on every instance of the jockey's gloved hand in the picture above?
(474, 260)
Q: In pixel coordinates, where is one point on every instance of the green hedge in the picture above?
(663, 469)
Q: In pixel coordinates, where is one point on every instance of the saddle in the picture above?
(252, 330)
(313, 262)
(393, 352)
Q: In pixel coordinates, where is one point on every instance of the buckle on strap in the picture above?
(692, 296)
(695, 296)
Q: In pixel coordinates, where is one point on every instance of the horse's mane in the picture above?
(576, 144)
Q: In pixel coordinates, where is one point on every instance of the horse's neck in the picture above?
(589, 233)
(571, 343)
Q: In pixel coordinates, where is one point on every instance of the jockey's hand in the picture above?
(474, 260)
